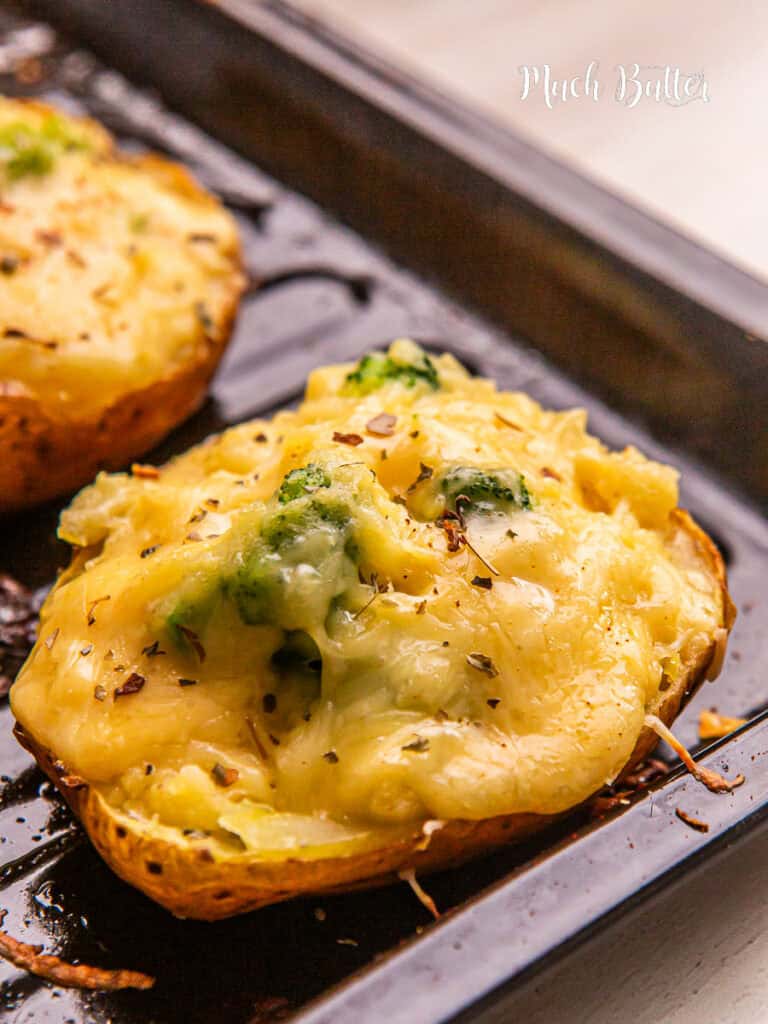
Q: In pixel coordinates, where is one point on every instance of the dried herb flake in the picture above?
(484, 582)
(351, 439)
(425, 473)
(194, 641)
(152, 650)
(419, 745)
(224, 776)
(204, 317)
(90, 618)
(132, 684)
(482, 663)
(382, 425)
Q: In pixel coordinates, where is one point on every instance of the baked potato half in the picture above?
(407, 622)
(119, 282)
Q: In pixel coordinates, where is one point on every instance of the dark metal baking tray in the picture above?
(569, 294)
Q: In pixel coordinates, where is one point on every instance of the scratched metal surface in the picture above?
(319, 293)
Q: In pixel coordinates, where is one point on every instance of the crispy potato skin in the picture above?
(187, 880)
(191, 883)
(45, 452)
(678, 696)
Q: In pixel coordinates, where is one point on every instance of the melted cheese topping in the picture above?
(112, 267)
(339, 622)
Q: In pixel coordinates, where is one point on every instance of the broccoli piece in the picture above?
(285, 528)
(268, 586)
(26, 150)
(377, 368)
(190, 616)
(293, 586)
(286, 571)
(30, 160)
(256, 590)
(288, 526)
(486, 491)
(56, 131)
(302, 481)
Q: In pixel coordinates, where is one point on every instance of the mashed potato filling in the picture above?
(113, 268)
(414, 597)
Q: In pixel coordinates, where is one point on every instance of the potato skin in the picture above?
(46, 451)
(189, 882)
(678, 696)
(187, 879)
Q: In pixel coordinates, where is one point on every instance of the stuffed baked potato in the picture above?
(119, 282)
(409, 621)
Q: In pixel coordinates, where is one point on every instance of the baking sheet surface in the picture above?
(319, 293)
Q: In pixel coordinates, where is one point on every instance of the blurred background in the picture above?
(700, 166)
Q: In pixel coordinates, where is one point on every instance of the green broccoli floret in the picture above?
(288, 564)
(57, 131)
(304, 515)
(293, 571)
(286, 527)
(189, 617)
(377, 368)
(27, 150)
(31, 160)
(302, 481)
(291, 525)
(486, 490)
(304, 529)
(256, 589)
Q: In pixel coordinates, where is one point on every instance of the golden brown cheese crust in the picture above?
(185, 877)
(57, 427)
(44, 454)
